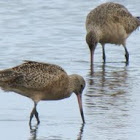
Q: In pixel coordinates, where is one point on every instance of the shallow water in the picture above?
(54, 32)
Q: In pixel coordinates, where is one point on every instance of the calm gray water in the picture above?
(54, 31)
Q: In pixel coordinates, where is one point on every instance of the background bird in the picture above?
(42, 81)
(109, 23)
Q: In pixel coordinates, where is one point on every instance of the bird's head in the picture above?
(138, 20)
(77, 86)
(91, 40)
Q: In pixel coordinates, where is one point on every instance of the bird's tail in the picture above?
(6, 78)
(6, 75)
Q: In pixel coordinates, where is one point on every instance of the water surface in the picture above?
(54, 31)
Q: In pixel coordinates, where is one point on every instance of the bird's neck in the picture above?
(91, 38)
(71, 88)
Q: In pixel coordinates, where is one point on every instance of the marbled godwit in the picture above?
(42, 81)
(109, 23)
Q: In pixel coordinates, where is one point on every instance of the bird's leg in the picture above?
(31, 115)
(103, 51)
(126, 55)
(34, 112)
(37, 118)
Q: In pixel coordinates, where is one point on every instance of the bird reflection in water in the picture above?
(108, 80)
(108, 101)
(33, 132)
(81, 132)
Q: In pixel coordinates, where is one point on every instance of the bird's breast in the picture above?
(113, 33)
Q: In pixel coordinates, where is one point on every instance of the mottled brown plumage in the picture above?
(109, 23)
(41, 81)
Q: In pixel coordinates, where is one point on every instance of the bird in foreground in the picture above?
(42, 81)
(109, 23)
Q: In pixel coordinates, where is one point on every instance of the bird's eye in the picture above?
(82, 86)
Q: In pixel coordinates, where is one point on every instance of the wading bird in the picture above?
(109, 23)
(42, 81)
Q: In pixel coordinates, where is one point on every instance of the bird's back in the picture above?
(111, 16)
(35, 80)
